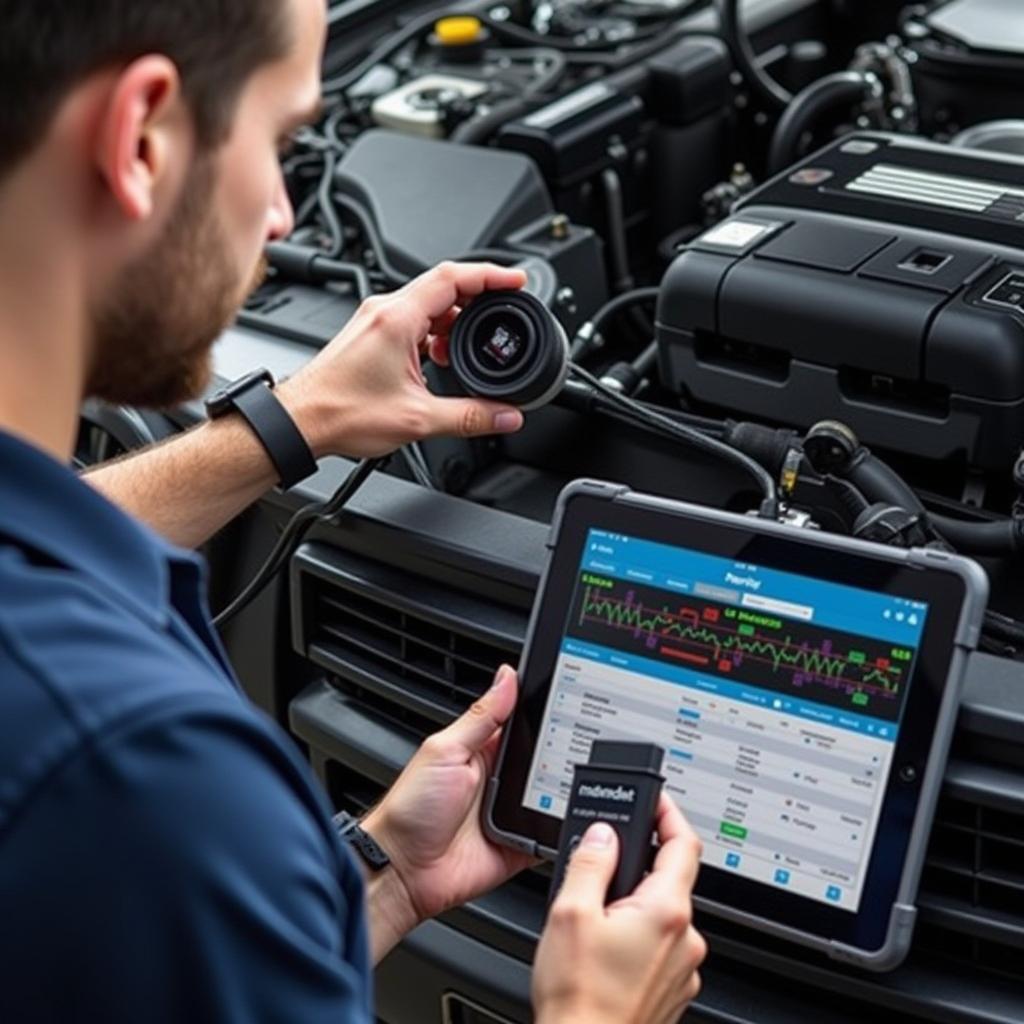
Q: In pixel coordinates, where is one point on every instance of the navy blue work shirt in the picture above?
(165, 855)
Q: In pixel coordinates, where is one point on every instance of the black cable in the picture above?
(501, 30)
(305, 210)
(647, 360)
(769, 508)
(292, 536)
(416, 463)
(843, 88)
(310, 266)
(627, 376)
(634, 55)
(551, 75)
(391, 45)
(615, 217)
(611, 308)
(767, 89)
(326, 207)
(516, 33)
(1004, 628)
(583, 341)
(373, 238)
(581, 398)
(479, 129)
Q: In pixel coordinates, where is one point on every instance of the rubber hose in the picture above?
(994, 538)
(767, 89)
(479, 129)
(836, 90)
(615, 216)
(878, 482)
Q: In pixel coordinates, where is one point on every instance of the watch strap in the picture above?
(361, 842)
(277, 432)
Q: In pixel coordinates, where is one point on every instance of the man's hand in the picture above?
(635, 960)
(362, 395)
(429, 822)
(365, 395)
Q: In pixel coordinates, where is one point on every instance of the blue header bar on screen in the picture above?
(780, 594)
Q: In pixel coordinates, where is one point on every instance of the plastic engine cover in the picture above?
(434, 200)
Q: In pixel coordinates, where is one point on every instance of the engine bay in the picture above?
(792, 227)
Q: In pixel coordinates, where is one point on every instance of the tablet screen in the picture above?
(777, 698)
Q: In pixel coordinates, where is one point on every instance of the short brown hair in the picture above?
(48, 46)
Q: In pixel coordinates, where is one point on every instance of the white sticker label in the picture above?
(736, 234)
(569, 105)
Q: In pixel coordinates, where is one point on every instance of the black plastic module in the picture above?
(816, 300)
(460, 198)
(619, 786)
(569, 138)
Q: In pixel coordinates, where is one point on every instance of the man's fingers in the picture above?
(454, 284)
(437, 349)
(470, 732)
(670, 821)
(589, 872)
(678, 860)
(443, 324)
(472, 417)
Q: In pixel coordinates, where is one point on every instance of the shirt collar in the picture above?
(45, 506)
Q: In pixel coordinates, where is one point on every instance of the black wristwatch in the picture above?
(253, 397)
(360, 841)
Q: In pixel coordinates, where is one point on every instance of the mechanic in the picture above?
(165, 854)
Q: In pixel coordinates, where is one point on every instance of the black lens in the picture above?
(506, 345)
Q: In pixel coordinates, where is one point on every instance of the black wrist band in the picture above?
(360, 841)
(253, 398)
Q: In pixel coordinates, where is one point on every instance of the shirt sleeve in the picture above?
(184, 870)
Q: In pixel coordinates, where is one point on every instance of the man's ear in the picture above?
(142, 134)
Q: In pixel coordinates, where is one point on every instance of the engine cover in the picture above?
(817, 299)
(433, 200)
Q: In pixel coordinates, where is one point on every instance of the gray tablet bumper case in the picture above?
(904, 913)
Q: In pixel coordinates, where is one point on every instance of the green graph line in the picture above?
(663, 623)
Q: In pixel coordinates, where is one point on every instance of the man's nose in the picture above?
(281, 217)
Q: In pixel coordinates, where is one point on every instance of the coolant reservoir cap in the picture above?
(458, 31)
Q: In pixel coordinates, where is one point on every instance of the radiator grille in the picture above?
(972, 889)
(418, 656)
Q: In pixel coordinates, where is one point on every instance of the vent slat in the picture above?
(407, 694)
(422, 665)
(455, 648)
(408, 663)
(1006, 929)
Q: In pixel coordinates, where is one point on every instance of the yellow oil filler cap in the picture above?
(458, 31)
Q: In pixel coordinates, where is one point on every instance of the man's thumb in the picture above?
(471, 730)
(473, 417)
(591, 867)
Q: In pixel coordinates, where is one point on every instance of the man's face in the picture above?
(155, 331)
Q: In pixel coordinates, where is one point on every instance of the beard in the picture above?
(153, 339)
